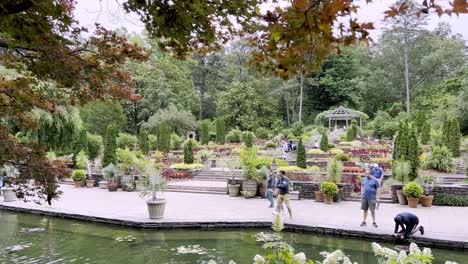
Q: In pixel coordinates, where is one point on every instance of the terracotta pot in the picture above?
(78, 184)
(327, 199)
(413, 202)
(318, 196)
(112, 186)
(426, 200)
(156, 208)
(234, 190)
(401, 197)
(90, 183)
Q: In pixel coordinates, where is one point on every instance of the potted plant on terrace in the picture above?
(110, 172)
(401, 170)
(205, 157)
(413, 192)
(335, 168)
(234, 189)
(8, 172)
(154, 184)
(329, 190)
(249, 162)
(78, 177)
(428, 183)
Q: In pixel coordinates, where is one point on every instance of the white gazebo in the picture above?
(342, 114)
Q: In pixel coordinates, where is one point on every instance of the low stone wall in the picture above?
(308, 189)
(453, 189)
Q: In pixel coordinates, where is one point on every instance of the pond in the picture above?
(28, 238)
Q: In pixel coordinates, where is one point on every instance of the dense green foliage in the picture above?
(79, 175)
(98, 115)
(324, 142)
(205, 132)
(401, 170)
(449, 200)
(329, 188)
(334, 170)
(413, 189)
(188, 152)
(301, 155)
(110, 146)
(413, 153)
(125, 140)
(234, 136)
(248, 138)
(94, 146)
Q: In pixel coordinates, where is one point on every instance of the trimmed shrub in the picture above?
(301, 155)
(413, 189)
(455, 138)
(79, 175)
(143, 142)
(188, 153)
(449, 200)
(205, 132)
(81, 160)
(440, 159)
(125, 140)
(413, 153)
(426, 133)
(234, 136)
(316, 151)
(110, 146)
(266, 162)
(329, 188)
(297, 129)
(164, 137)
(342, 157)
(324, 142)
(221, 131)
(94, 146)
(270, 144)
(330, 145)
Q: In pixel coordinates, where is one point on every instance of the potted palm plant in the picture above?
(401, 170)
(8, 172)
(329, 190)
(154, 184)
(205, 157)
(413, 192)
(249, 174)
(234, 189)
(428, 183)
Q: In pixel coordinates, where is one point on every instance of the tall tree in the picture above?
(110, 145)
(205, 132)
(301, 155)
(220, 130)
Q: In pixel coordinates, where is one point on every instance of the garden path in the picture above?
(446, 223)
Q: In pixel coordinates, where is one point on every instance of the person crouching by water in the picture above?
(283, 196)
(409, 225)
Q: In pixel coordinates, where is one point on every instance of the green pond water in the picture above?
(28, 238)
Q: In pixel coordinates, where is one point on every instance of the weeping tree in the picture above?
(110, 146)
(301, 155)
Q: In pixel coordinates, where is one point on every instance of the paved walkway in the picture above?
(441, 223)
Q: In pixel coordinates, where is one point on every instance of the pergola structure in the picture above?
(343, 114)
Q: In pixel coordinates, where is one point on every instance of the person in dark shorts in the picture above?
(370, 196)
(409, 225)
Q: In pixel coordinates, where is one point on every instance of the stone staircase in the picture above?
(193, 186)
(460, 167)
(216, 175)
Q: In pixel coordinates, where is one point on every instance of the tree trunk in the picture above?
(300, 97)
(406, 67)
(287, 111)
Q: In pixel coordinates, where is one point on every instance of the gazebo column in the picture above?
(360, 122)
(329, 124)
(347, 123)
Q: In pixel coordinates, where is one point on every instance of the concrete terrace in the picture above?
(445, 226)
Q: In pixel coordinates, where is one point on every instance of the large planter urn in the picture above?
(112, 186)
(234, 190)
(401, 197)
(327, 199)
(426, 200)
(337, 198)
(294, 195)
(156, 208)
(262, 189)
(102, 184)
(318, 196)
(250, 185)
(9, 194)
(413, 202)
(90, 183)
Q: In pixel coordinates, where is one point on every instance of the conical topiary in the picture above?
(324, 142)
(301, 155)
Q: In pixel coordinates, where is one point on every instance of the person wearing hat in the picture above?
(377, 172)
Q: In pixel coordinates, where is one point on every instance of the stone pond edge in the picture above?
(210, 225)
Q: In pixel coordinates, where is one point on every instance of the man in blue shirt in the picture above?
(377, 172)
(369, 189)
(283, 196)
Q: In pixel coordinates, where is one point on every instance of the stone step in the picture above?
(358, 199)
(196, 188)
(196, 191)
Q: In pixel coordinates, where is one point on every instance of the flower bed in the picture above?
(354, 170)
(173, 174)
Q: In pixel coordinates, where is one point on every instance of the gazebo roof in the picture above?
(342, 113)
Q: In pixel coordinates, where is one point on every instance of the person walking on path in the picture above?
(283, 196)
(369, 187)
(271, 184)
(409, 225)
